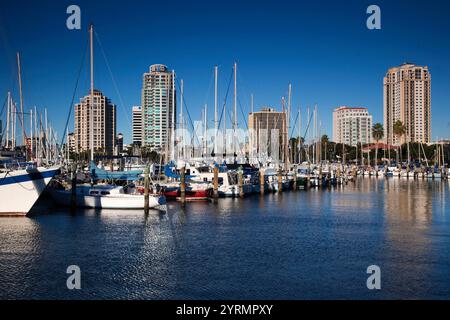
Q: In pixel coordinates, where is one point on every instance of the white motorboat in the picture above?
(106, 197)
(21, 188)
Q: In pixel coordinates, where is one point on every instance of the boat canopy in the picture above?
(102, 174)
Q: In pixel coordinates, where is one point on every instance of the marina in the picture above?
(192, 152)
(294, 245)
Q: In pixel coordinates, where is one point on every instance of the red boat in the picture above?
(194, 192)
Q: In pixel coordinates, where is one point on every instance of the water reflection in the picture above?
(290, 245)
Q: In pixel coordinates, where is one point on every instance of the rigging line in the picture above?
(225, 99)
(242, 112)
(209, 88)
(4, 105)
(9, 53)
(3, 129)
(112, 77)
(309, 123)
(295, 125)
(188, 113)
(73, 98)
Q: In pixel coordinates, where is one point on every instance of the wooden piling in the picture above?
(320, 176)
(183, 185)
(308, 177)
(216, 182)
(241, 182)
(146, 189)
(261, 181)
(280, 180)
(294, 185)
(73, 197)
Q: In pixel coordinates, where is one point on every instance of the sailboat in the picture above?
(21, 183)
(21, 187)
(106, 197)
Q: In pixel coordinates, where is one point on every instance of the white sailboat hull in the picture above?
(20, 189)
(233, 190)
(119, 201)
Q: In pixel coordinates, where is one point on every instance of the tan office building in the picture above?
(407, 97)
(103, 125)
(268, 133)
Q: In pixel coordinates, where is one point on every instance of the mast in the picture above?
(314, 135)
(46, 137)
(41, 142)
(36, 134)
(289, 108)
(308, 121)
(14, 123)
(251, 103)
(299, 135)
(31, 134)
(205, 130)
(235, 112)
(172, 132)
(224, 131)
(216, 114)
(91, 98)
(67, 145)
(19, 69)
(181, 118)
(283, 143)
(319, 143)
(8, 118)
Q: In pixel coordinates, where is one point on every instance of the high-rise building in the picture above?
(137, 125)
(407, 97)
(71, 142)
(352, 126)
(268, 134)
(158, 108)
(103, 125)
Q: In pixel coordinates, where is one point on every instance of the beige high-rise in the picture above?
(268, 134)
(407, 97)
(104, 124)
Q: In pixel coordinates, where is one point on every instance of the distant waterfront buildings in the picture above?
(71, 142)
(158, 108)
(119, 144)
(137, 125)
(352, 126)
(407, 97)
(268, 133)
(103, 124)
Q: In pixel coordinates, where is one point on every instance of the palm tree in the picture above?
(378, 134)
(324, 144)
(399, 130)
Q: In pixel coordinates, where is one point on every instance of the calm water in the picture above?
(302, 245)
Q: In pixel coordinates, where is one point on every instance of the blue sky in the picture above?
(323, 48)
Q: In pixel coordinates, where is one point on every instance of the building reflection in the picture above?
(411, 201)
